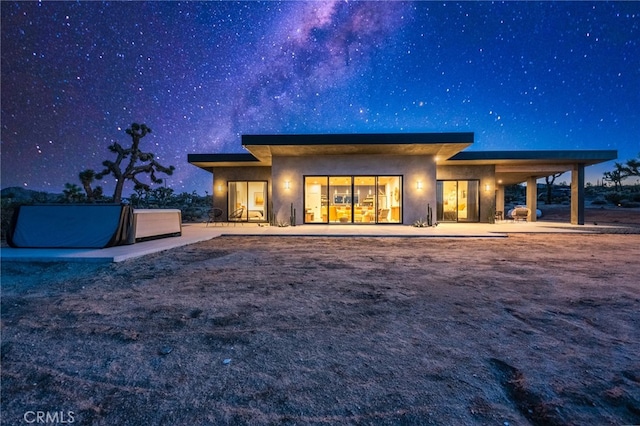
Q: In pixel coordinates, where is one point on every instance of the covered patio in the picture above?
(515, 167)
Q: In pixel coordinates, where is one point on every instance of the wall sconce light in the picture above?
(487, 187)
(287, 184)
(419, 184)
(219, 188)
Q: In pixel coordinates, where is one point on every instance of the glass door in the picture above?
(237, 201)
(316, 200)
(364, 199)
(458, 201)
(247, 201)
(340, 199)
(353, 199)
(468, 201)
(389, 199)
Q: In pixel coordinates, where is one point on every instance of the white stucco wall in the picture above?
(412, 168)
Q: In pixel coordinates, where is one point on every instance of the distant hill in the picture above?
(23, 195)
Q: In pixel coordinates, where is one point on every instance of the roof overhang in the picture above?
(512, 167)
(209, 161)
(444, 145)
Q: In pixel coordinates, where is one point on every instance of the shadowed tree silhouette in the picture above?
(149, 165)
(615, 176)
(549, 185)
(87, 177)
(632, 167)
(72, 193)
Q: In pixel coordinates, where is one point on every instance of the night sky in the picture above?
(520, 75)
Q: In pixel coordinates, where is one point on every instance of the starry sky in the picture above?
(520, 75)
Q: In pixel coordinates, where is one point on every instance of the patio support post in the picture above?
(577, 194)
(532, 198)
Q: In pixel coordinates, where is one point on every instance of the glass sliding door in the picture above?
(340, 199)
(458, 201)
(257, 202)
(316, 199)
(247, 201)
(468, 197)
(237, 201)
(447, 193)
(389, 193)
(353, 199)
(364, 199)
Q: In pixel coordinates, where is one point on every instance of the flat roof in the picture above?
(517, 166)
(575, 156)
(510, 166)
(208, 161)
(358, 138)
(440, 144)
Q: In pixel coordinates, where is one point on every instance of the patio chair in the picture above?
(236, 216)
(383, 215)
(215, 215)
(520, 214)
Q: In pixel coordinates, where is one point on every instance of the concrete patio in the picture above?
(197, 232)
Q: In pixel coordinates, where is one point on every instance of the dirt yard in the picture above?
(529, 329)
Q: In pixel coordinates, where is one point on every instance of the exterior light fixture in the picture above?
(487, 187)
(287, 184)
(419, 185)
(219, 188)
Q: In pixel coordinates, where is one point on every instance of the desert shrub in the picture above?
(614, 197)
(629, 204)
(590, 190)
(599, 202)
(420, 223)
(8, 208)
(193, 214)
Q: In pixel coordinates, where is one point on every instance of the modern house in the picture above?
(382, 178)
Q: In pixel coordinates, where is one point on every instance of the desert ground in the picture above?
(529, 329)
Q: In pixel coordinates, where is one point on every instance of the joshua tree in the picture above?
(86, 178)
(133, 169)
(632, 167)
(72, 192)
(615, 176)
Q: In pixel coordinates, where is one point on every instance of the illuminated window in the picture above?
(353, 199)
(316, 201)
(458, 201)
(247, 201)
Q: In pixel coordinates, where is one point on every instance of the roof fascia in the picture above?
(359, 138)
(573, 156)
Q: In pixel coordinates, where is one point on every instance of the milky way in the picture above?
(521, 75)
